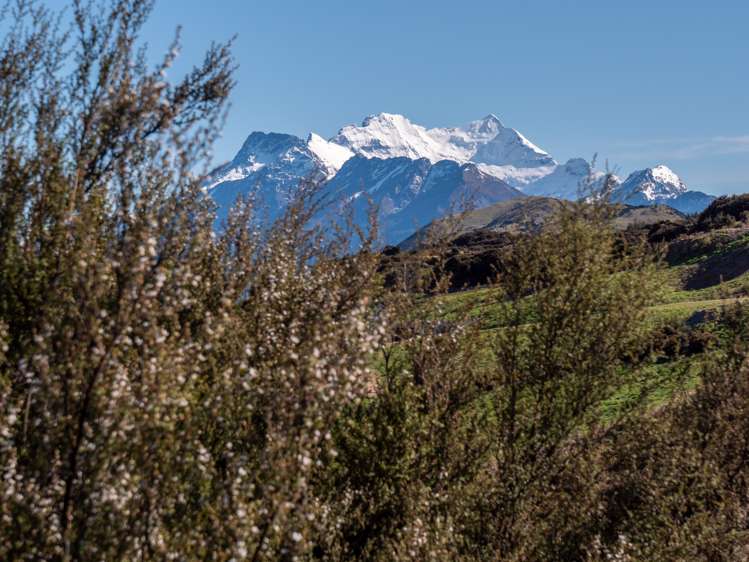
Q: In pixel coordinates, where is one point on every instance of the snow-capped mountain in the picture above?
(273, 165)
(414, 174)
(504, 152)
(651, 184)
(660, 185)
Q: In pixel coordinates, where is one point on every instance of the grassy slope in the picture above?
(658, 380)
(672, 302)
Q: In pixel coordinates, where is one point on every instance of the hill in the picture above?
(699, 253)
(530, 213)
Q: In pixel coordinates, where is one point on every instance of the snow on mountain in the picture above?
(392, 136)
(510, 148)
(571, 180)
(665, 175)
(390, 160)
(271, 165)
(485, 141)
(520, 178)
(262, 150)
(332, 155)
(651, 184)
(660, 185)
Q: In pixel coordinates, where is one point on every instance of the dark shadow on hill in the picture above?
(719, 268)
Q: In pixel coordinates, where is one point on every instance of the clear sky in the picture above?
(641, 82)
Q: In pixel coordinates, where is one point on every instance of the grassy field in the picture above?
(659, 378)
(684, 309)
(672, 302)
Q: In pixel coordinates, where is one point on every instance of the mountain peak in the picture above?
(389, 135)
(383, 117)
(333, 156)
(666, 175)
(265, 147)
(579, 166)
(484, 141)
(492, 118)
(652, 184)
(660, 185)
(487, 127)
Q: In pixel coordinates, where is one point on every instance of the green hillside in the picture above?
(702, 269)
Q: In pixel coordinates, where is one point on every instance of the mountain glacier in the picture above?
(413, 174)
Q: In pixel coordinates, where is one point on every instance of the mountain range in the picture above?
(414, 175)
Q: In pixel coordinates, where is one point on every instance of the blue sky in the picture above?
(639, 82)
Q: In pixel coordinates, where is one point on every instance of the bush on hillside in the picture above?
(724, 211)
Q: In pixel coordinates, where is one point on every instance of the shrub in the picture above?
(166, 392)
